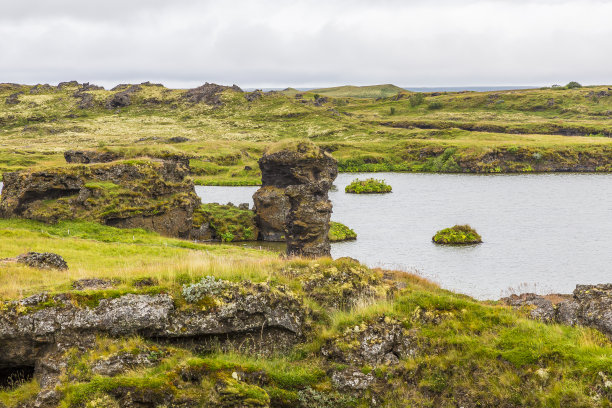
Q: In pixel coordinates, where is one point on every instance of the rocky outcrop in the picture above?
(36, 331)
(13, 99)
(304, 174)
(123, 98)
(150, 194)
(210, 94)
(382, 341)
(272, 209)
(589, 305)
(105, 156)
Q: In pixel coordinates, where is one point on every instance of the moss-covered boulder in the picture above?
(457, 235)
(140, 193)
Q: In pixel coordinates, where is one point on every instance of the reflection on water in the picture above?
(542, 232)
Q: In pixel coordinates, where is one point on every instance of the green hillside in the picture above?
(351, 91)
(225, 130)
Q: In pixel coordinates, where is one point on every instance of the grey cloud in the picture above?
(308, 42)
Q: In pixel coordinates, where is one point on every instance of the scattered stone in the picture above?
(178, 139)
(90, 156)
(252, 96)
(93, 283)
(43, 260)
(589, 305)
(13, 99)
(122, 99)
(352, 380)
(209, 94)
(243, 206)
(121, 362)
(38, 89)
(303, 173)
(144, 282)
(544, 309)
(321, 100)
(382, 341)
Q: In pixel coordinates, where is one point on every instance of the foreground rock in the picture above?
(36, 331)
(589, 305)
(151, 194)
(302, 174)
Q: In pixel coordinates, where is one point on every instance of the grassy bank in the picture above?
(466, 352)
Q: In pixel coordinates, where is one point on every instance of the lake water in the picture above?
(541, 232)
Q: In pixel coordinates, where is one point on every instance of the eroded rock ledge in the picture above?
(37, 330)
(141, 193)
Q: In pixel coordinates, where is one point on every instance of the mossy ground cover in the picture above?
(468, 352)
(457, 235)
(498, 131)
(368, 186)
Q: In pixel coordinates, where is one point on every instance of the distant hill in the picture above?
(351, 91)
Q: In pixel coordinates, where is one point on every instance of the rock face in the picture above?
(303, 174)
(150, 194)
(37, 330)
(590, 305)
(272, 209)
(122, 99)
(43, 260)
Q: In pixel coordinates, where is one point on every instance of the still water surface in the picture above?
(541, 232)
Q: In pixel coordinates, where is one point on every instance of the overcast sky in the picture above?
(279, 43)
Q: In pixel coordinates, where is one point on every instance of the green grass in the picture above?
(466, 350)
(457, 235)
(498, 131)
(368, 186)
(351, 91)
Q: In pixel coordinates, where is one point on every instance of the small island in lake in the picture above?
(368, 186)
(457, 235)
(340, 232)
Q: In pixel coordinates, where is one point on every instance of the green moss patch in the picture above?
(457, 235)
(368, 186)
(340, 232)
